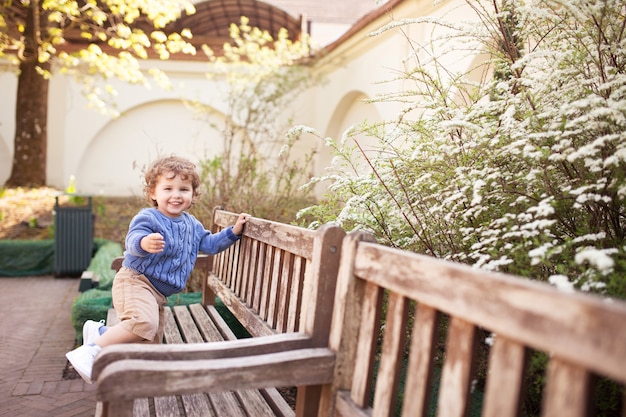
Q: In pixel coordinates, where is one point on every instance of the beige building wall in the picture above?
(107, 155)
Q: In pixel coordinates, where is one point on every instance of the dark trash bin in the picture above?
(73, 235)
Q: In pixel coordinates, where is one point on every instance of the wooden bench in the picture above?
(393, 309)
(279, 282)
(404, 324)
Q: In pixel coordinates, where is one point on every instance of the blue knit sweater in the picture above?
(184, 237)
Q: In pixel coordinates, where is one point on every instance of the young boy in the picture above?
(161, 248)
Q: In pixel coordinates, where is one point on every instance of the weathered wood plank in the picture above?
(166, 407)
(259, 267)
(171, 335)
(277, 402)
(295, 298)
(226, 404)
(566, 391)
(345, 324)
(141, 408)
(131, 378)
(456, 375)
(199, 351)
(391, 355)
(206, 326)
(274, 288)
(250, 260)
(220, 324)
(255, 404)
(186, 325)
(255, 324)
(421, 363)
(366, 345)
(284, 292)
(198, 405)
(507, 364)
(283, 236)
(244, 270)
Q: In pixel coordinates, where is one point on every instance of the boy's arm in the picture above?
(217, 242)
(140, 227)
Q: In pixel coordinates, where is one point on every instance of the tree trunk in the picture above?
(31, 114)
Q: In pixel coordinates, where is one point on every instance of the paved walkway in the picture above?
(35, 334)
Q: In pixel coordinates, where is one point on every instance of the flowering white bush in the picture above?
(522, 173)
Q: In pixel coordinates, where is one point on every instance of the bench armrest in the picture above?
(198, 351)
(136, 378)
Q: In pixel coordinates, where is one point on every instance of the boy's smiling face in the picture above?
(173, 194)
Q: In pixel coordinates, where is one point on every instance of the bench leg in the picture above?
(308, 400)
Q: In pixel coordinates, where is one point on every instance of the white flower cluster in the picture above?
(524, 172)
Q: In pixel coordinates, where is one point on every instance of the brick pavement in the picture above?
(35, 334)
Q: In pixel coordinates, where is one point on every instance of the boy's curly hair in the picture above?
(171, 166)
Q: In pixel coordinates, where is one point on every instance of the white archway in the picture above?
(119, 152)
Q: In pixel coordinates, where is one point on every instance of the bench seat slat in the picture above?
(171, 334)
(253, 400)
(277, 402)
(122, 408)
(186, 325)
(141, 407)
(226, 404)
(197, 405)
(206, 326)
(165, 406)
(220, 323)
(255, 404)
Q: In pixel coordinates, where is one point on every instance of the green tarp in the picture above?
(21, 258)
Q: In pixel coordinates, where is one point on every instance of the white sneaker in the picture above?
(91, 330)
(82, 359)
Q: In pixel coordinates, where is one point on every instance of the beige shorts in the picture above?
(139, 306)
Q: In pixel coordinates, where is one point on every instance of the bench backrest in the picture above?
(399, 313)
(278, 278)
